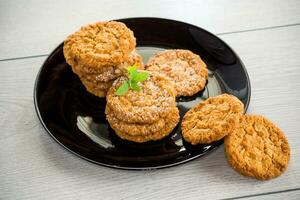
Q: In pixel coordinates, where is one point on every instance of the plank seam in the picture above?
(225, 33)
(262, 194)
(25, 57)
(259, 29)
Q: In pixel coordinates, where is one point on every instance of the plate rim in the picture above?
(37, 80)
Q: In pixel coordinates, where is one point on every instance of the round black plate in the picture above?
(76, 119)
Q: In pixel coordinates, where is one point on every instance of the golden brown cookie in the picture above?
(134, 58)
(110, 72)
(97, 84)
(145, 138)
(154, 101)
(183, 67)
(99, 44)
(97, 88)
(156, 135)
(211, 119)
(160, 127)
(95, 79)
(257, 148)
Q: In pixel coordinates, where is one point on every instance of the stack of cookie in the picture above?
(254, 146)
(99, 52)
(145, 115)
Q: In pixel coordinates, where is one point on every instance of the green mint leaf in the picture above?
(141, 76)
(132, 71)
(122, 89)
(134, 78)
(134, 85)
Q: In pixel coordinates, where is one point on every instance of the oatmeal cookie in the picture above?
(184, 68)
(97, 84)
(257, 148)
(146, 138)
(211, 119)
(98, 88)
(154, 101)
(165, 131)
(160, 127)
(110, 72)
(99, 44)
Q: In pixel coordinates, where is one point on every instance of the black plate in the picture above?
(76, 119)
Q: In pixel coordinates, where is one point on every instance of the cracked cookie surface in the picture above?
(183, 67)
(212, 119)
(99, 44)
(257, 148)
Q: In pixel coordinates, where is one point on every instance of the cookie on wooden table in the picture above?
(212, 119)
(257, 148)
(183, 67)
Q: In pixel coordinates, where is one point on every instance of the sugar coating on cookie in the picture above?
(156, 98)
(102, 43)
(143, 129)
(212, 119)
(257, 148)
(183, 67)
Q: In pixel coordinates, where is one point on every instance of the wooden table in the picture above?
(33, 166)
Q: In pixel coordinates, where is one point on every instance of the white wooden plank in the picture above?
(33, 166)
(293, 195)
(36, 27)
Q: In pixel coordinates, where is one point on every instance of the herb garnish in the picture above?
(135, 77)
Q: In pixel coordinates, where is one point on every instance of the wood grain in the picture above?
(34, 166)
(292, 195)
(36, 27)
